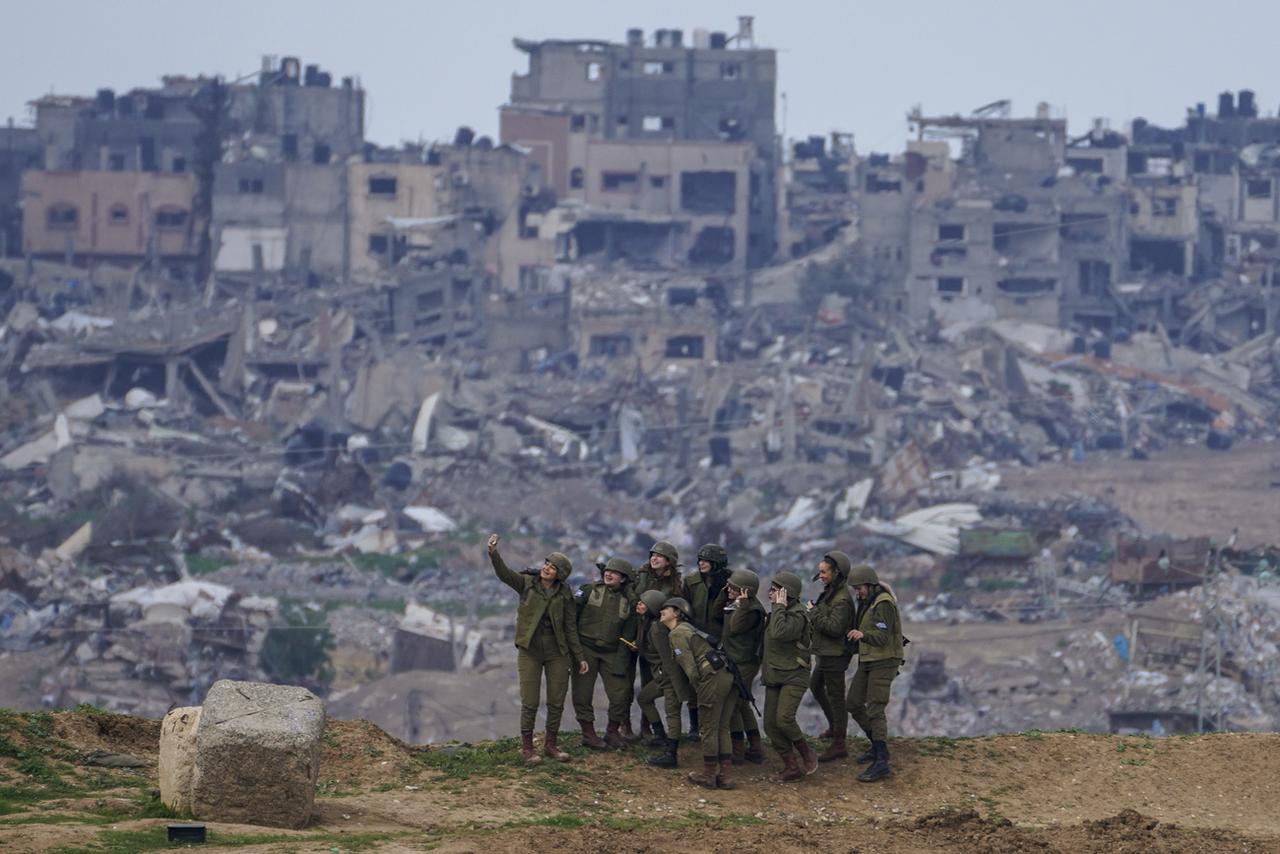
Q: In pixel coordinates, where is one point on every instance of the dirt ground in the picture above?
(1187, 491)
(1030, 792)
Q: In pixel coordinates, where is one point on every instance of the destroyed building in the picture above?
(19, 151)
(717, 88)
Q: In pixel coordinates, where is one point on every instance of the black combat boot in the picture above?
(667, 757)
(868, 755)
(879, 769)
(692, 734)
(659, 738)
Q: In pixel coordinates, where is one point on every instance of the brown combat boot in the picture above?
(791, 770)
(527, 750)
(807, 757)
(710, 773)
(755, 751)
(826, 733)
(589, 738)
(838, 749)
(628, 734)
(724, 780)
(613, 736)
(550, 748)
(739, 754)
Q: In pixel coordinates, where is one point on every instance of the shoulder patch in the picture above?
(676, 650)
(881, 626)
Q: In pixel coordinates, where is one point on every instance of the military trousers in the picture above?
(827, 685)
(868, 698)
(781, 703)
(744, 717)
(715, 708)
(542, 661)
(601, 664)
(660, 688)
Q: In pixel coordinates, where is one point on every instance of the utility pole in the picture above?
(1209, 624)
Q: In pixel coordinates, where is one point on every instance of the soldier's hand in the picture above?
(493, 543)
(583, 667)
(742, 595)
(854, 635)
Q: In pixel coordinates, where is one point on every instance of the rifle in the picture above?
(740, 684)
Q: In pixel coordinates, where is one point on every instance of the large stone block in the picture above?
(178, 756)
(257, 754)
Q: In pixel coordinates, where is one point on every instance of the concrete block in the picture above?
(178, 756)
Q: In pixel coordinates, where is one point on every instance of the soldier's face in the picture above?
(704, 566)
(641, 608)
(658, 561)
(612, 580)
(862, 591)
(825, 572)
(548, 572)
(668, 616)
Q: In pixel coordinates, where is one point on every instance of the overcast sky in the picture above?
(848, 65)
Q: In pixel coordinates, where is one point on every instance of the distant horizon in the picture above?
(422, 81)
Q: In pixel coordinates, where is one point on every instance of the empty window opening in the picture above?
(378, 244)
(62, 216)
(731, 128)
(730, 70)
(1164, 206)
(1027, 287)
(684, 347)
(578, 122)
(714, 245)
(321, 153)
(682, 296)
(618, 182)
(659, 67)
(171, 218)
(948, 255)
(1258, 188)
(950, 285)
(951, 232)
(251, 185)
(118, 215)
(179, 165)
(622, 121)
(1157, 256)
(708, 192)
(1086, 165)
(429, 301)
(115, 163)
(382, 186)
(610, 346)
(1095, 277)
(289, 145)
(657, 181)
(576, 177)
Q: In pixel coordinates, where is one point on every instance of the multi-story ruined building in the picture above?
(656, 112)
(19, 151)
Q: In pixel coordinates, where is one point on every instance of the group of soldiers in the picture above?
(701, 640)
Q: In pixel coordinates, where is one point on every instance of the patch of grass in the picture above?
(1034, 735)
(460, 761)
(553, 787)
(198, 564)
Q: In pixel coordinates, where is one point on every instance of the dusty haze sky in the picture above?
(843, 64)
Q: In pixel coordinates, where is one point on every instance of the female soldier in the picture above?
(708, 671)
(546, 638)
(786, 675)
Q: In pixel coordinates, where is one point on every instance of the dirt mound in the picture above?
(87, 731)
(357, 754)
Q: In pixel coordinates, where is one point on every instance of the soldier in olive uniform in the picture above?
(547, 644)
(708, 671)
(704, 589)
(743, 633)
(878, 634)
(660, 572)
(668, 682)
(832, 617)
(606, 615)
(785, 673)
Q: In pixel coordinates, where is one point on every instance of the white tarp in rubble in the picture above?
(177, 603)
(86, 408)
(421, 620)
(78, 321)
(39, 450)
(431, 520)
(849, 508)
(452, 438)
(422, 426)
(630, 431)
(803, 511)
(934, 529)
(563, 441)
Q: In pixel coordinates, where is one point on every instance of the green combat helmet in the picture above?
(745, 579)
(653, 601)
(680, 605)
(619, 565)
(840, 561)
(791, 583)
(713, 554)
(664, 548)
(863, 574)
(561, 562)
